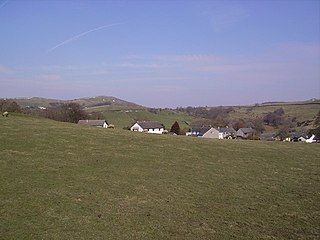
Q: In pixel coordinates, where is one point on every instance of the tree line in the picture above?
(64, 112)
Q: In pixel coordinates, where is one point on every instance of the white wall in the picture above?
(136, 127)
(156, 130)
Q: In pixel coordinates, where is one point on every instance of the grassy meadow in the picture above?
(63, 181)
(126, 117)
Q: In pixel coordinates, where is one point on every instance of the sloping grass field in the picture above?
(302, 112)
(63, 181)
(126, 118)
(123, 116)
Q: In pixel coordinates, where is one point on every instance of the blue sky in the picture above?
(161, 53)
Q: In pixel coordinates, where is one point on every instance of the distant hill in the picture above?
(122, 113)
(88, 102)
(310, 101)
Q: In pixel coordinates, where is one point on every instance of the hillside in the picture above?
(126, 117)
(62, 181)
(88, 102)
(123, 114)
(303, 112)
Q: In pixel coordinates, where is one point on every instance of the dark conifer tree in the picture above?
(175, 128)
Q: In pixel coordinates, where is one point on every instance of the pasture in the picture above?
(124, 116)
(121, 117)
(62, 181)
(302, 111)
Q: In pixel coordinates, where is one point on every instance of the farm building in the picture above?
(297, 137)
(148, 126)
(268, 137)
(199, 132)
(94, 123)
(245, 132)
(210, 132)
(226, 133)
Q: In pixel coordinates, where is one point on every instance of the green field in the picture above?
(302, 111)
(127, 117)
(85, 102)
(124, 116)
(63, 181)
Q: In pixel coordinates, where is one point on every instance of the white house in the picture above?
(147, 126)
(210, 132)
(94, 123)
(311, 139)
(297, 137)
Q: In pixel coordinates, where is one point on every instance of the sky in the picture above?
(164, 53)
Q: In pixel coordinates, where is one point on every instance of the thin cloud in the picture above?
(81, 35)
(189, 58)
(3, 4)
(140, 65)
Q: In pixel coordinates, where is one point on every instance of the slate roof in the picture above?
(268, 136)
(150, 124)
(247, 130)
(92, 122)
(298, 135)
(200, 130)
(226, 130)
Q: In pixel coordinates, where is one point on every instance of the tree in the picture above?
(9, 106)
(274, 118)
(283, 133)
(240, 123)
(175, 128)
(317, 120)
(279, 111)
(315, 131)
(258, 125)
(73, 112)
(69, 112)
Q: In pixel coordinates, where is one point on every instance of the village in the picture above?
(206, 131)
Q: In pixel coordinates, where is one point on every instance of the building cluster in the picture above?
(205, 132)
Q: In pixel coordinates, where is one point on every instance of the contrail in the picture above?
(3, 4)
(81, 35)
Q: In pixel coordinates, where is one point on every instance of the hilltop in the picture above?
(62, 181)
(87, 102)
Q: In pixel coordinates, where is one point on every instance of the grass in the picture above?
(122, 116)
(63, 181)
(302, 112)
(127, 117)
(87, 102)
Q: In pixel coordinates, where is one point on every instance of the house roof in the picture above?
(298, 135)
(268, 136)
(226, 130)
(247, 130)
(150, 124)
(201, 130)
(92, 122)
